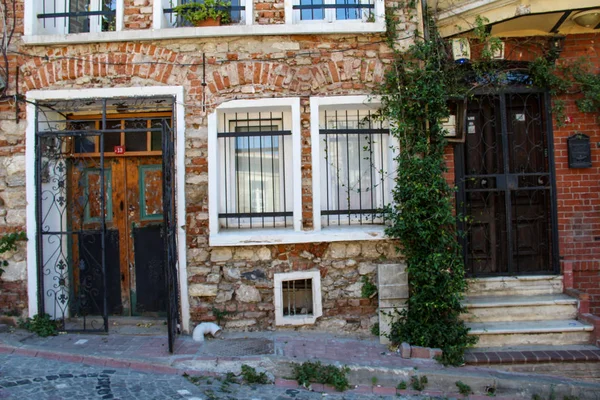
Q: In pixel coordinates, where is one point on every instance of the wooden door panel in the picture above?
(149, 269)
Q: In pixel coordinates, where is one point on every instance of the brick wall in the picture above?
(578, 190)
(137, 14)
(268, 12)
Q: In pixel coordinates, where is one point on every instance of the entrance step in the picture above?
(523, 333)
(520, 308)
(515, 285)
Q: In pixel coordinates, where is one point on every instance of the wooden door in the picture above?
(133, 206)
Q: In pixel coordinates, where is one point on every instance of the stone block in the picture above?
(213, 278)
(232, 274)
(366, 268)
(15, 170)
(264, 254)
(202, 290)
(15, 271)
(336, 250)
(405, 350)
(221, 254)
(224, 296)
(247, 294)
(392, 292)
(392, 303)
(390, 274)
(241, 323)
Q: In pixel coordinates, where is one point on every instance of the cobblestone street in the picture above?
(26, 378)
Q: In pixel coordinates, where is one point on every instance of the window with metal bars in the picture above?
(255, 170)
(297, 297)
(333, 10)
(75, 16)
(354, 159)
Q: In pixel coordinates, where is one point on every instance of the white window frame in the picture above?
(278, 279)
(34, 26)
(293, 16)
(246, 236)
(317, 104)
(161, 20)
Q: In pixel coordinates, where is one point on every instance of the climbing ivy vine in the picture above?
(414, 96)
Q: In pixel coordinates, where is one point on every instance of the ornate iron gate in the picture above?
(505, 175)
(71, 255)
(85, 233)
(170, 232)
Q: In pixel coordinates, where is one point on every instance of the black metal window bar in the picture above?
(339, 10)
(237, 13)
(354, 157)
(297, 297)
(78, 16)
(255, 170)
(72, 176)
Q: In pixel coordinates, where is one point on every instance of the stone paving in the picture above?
(23, 377)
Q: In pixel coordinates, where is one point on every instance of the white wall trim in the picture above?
(39, 95)
(280, 319)
(120, 15)
(249, 236)
(339, 27)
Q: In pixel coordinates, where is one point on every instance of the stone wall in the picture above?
(13, 282)
(240, 280)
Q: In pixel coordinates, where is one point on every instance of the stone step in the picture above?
(527, 333)
(520, 308)
(515, 285)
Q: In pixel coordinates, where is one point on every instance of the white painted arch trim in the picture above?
(280, 319)
(148, 91)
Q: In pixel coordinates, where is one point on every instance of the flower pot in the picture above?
(209, 22)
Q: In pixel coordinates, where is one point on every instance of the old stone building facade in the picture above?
(253, 147)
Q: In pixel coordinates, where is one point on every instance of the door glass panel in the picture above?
(112, 139)
(136, 141)
(156, 141)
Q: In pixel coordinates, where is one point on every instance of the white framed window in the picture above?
(254, 169)
(61, 17)
(297, 297)
(354, 156)
(312, 11)
(164, 17)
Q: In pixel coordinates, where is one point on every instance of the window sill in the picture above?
(339, 27)
(287, 236)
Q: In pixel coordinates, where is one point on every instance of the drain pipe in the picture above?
(204, 328)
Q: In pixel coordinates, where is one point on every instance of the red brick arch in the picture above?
(117, 61)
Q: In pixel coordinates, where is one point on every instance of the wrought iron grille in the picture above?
(297, 297)
(77, 16)
(255, 150)
(73, 204)
(354, 155)
(237, 13)
(505, 174)
(307, 10)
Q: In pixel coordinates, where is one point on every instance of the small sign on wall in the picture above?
(119, 149)
(580, 152)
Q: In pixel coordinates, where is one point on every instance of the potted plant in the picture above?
(207, 13)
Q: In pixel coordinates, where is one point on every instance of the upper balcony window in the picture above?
(333, 10)
(237, 10)
(74, 16)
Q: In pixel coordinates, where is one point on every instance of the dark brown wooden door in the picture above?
(504, 175)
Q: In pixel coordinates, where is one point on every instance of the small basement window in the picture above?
(297, 298)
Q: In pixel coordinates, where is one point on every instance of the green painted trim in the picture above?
(142, 169)
(108, 204)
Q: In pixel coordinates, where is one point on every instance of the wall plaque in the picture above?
(580, 152)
